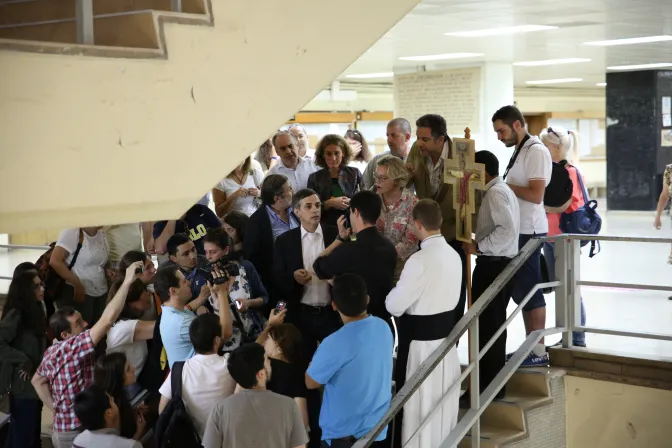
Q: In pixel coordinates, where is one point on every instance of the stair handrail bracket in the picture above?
(567, 302)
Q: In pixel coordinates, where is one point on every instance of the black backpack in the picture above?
(174, 428)
(559, 190)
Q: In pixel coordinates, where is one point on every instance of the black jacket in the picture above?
(372, 257)
(288, 258)
(258, 249)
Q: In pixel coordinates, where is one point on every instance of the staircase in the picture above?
(532, 413)
(159, 105)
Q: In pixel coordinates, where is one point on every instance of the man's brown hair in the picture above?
(428, 212)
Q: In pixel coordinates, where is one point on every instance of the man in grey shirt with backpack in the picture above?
(254, 417)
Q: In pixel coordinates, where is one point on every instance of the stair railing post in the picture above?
(84, 17)
(575, 309)
(563, 274)
(475, 383)
(176, 5)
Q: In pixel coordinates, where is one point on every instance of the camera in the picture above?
(227, 267)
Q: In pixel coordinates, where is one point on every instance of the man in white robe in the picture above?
(424, 300)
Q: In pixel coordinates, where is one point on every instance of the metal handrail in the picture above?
(22, 246)
(479, 402)
(426, 368)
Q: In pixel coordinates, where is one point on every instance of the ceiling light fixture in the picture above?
(501, 31)
(441, 57)
(554, 81)
(640, 66)
(371, 75)
(601, 84)
(629, 41)
(550, 62)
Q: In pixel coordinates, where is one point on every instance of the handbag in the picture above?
(583, 221)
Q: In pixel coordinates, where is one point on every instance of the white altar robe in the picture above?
(429, 284)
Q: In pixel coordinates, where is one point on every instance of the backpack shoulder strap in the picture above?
(583, 188)
(176, 379)
(79, 247)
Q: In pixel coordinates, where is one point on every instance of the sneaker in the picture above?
(533, 360)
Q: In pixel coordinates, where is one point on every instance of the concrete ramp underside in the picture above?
(139, 129)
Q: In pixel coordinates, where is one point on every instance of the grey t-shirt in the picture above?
(253, 419)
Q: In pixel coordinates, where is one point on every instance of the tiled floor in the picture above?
(649, 311)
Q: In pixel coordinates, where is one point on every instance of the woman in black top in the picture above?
(22, 344)
(235, 225)
(284, 347)
(113, 373)
(336, 182)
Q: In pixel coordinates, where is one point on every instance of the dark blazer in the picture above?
(372, 257)
(349, 179)
(289, 258)
(258, 249)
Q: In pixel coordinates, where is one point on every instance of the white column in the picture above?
(496, 91)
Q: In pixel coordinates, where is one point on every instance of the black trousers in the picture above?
(462, 303)
(315, 324)
(494, 315)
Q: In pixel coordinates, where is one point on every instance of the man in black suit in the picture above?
(371, 255)
(308, 298)
(273, 218)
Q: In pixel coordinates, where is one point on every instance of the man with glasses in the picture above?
(291, 165)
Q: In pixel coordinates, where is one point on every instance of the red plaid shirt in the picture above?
(68, 365)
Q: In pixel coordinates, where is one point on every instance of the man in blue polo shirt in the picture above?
(355, 366)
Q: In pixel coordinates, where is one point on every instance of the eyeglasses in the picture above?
(378, 178)
(38, 285)
(551, 131)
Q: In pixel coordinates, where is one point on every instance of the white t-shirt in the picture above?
(230, 186)
(205, 381)
(533, 163)
(359, 164)
(89, 266)
(121, 339)
(123, 238)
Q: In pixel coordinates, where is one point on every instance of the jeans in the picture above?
(578, 337)
(25, 424)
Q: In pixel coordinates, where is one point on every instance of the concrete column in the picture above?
(496, 91)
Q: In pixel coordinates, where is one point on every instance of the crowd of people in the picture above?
(271, 320)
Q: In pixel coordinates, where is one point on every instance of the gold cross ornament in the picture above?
(466, 176)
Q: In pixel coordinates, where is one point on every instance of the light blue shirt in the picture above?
(278, 225)
(355, 366)
(174, 330)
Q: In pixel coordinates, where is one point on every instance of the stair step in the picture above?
(36, 11)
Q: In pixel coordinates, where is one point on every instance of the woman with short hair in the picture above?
(396, 219)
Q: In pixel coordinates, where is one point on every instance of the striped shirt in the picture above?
(498, 222)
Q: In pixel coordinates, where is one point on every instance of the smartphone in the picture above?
(238, 305)
(347, 218)
(140, 270)
(280, 306)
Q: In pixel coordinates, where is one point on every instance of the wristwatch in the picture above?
(341, 239)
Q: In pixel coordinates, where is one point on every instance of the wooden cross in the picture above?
(466, 176)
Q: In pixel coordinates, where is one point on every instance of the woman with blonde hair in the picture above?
(336, 182)
(559, 142)
(238, 190)
(361, 155)
(396, 219)
(266, 156)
